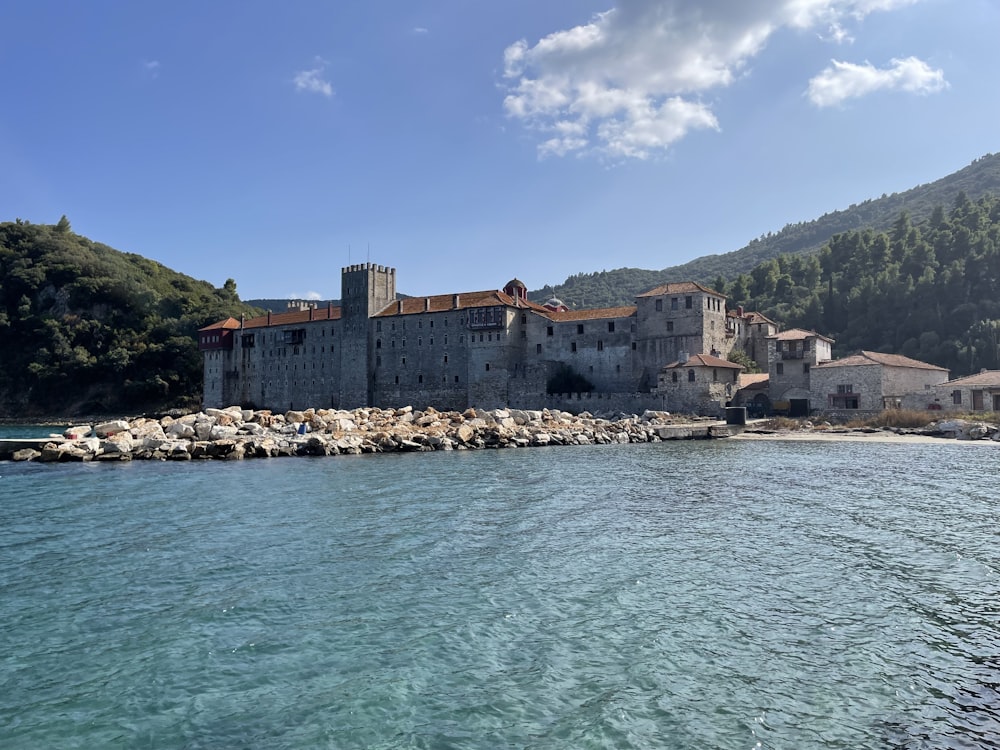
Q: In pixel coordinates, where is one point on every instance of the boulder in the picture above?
(106, 429)
(26, 454)
(180, 430)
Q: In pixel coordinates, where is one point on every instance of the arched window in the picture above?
(690, 376)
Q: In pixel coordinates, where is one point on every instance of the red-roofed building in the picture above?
(872, 381)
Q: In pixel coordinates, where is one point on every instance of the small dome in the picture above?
(515, 283)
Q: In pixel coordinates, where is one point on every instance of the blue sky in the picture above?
(466, 142)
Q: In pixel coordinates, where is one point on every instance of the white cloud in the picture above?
(420, 30)
(841, 80)
(312, 81)
(310, 296)
(151, 68)
(634, 80)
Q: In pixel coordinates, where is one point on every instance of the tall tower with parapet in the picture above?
(365, 289)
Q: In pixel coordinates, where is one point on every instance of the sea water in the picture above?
(717, 594)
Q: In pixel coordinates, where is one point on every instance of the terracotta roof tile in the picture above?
(990, 379)
(293, 317)
(703, 360)
(446, 302)
(596, 314)
(679, 287)
(755, 380)
(864, 358)
(798, 334)
(227, 324)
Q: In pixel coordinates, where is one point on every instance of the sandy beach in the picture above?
(857, 436)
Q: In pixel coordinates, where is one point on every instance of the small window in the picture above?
(633, 346)
(524, 318)
(611, 326)
(397, 380)
(670, 325)
(579, 327)
(659, 305)
(378, 360)
(378, 343)
(805, 367)
(956, 397)
(715, 375)
(690, 376)
(548, 331)
(487, 367)
(673, 303)
(780, 368)
(688, 302)
(538, 348)
(420, 378)
(378, 326)
(600, 346)
(572, 347)
(524, 334)
(673, 376)
(446, 359)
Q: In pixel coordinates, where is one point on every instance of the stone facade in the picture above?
(979, 392)
(482, 349)
(872, 381)
(700, 384)
(791, 356)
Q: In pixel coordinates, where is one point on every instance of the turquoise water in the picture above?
(721, 594)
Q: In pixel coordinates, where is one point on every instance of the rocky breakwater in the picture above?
(234, 433)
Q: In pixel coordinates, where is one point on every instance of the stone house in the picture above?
(979, 392)
(698, 384)
(791, 357)
(872, 381)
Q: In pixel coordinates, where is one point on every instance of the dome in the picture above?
(515, 283)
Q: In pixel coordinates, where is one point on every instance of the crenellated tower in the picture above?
(365, 289)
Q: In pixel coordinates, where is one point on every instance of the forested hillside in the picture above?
(619, 287)
(928, 290)
(85, 328)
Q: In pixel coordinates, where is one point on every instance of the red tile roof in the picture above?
(864, 358)
(597, 313)
(754, 380)
(293, 317)
(222, 325)
(703, 360)
(679, 287)
(990, 379)
(445, 302)
(798, 334)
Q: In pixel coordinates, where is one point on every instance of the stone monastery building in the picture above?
(484, 349)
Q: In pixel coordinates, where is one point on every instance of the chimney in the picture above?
(399, 307)
(269, 317)
(427, 304)
(455, 301)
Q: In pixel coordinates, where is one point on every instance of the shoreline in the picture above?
(235, 434)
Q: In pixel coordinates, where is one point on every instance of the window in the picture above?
(572, 347)
(845, 388)
(378, 360)
(524, 334)
(673, 303)
(956, 397)
(378, 326)
(548, 331)
(673, 376)
(397, 380)
(420, 378)
(688, 302)
(659, 305)
(715, 375)
(378, 343)
(579, 327)
(779, 368)
(524, 318)
(611, 326)
(805, 367)
(487, 367)
(600, 345)
(420, 340)
(690, 376)
(538, 348)
(633, 346)
(670, 325)
(777, 346)
(446, 359)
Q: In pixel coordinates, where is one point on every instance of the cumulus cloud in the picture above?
(151, 68)
(312, 81)
(842, 80)
(308, 296)
(636, 78)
